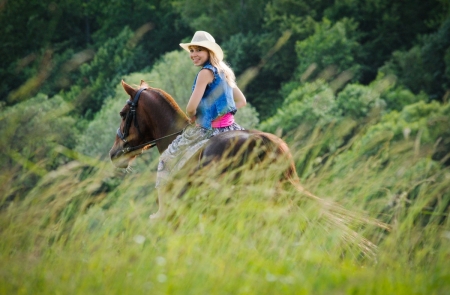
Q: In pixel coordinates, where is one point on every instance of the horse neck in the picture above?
(166, 118)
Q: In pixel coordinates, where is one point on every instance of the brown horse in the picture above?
(151, 117)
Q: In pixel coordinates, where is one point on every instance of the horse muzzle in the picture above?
(120, 158)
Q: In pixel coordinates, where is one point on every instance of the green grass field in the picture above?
(84, 229)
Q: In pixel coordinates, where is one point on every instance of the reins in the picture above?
(131, 116)
(150, 143)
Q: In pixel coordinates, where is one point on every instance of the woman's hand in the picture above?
(192, 120)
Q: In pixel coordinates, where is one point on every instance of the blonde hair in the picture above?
(221, 67)
(224, 68)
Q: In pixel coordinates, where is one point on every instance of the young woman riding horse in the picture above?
(214, 100)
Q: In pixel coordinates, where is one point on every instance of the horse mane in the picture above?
(169, 99)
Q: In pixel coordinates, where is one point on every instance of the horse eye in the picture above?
(122, 115)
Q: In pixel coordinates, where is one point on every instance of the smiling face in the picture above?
(199, 55)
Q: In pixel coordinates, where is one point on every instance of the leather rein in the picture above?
(131, 116)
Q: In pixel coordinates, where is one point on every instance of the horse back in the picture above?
(247, 146)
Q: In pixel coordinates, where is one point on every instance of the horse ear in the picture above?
(144, 84)
(128, 89)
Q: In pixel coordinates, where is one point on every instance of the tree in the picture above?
(386, 26)
(357, 101)
(31, 32)
(37, 36)
(310, 105)
(332, 45)
(425, 67)
(221, 18)
(425, 123)
(117, 57)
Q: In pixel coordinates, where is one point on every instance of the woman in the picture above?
(214, 100)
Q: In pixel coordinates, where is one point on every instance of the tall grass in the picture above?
(84, 229)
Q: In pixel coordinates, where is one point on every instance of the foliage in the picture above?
(299, 19)
(61, 26)
(310, 105)
(29, 30)
(99, 135)
(72, 234)
(426, 123)
(329, 54)
(222, 19)
(165, 29)
(114, 59)
(329, 46)
(32, 131)
(435, 47)
(277, 63)
(385, 26)
(399, 97)
(243, 51)
(376, 141)
(408, 68)
(424, 67)
(358, 101)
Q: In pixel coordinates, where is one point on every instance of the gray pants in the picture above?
(183, 147)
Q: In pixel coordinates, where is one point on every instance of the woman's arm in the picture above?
(239, 98)
(204, 78)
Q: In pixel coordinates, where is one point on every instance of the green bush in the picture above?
(32, 133)
(97, 139)
(408, 68)
(425, 123)
(115, 58)
(311, 105)
(425, 66)
(331, 45)
(399, 97)
(358, 101)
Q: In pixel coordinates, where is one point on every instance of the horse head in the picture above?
(150, 118)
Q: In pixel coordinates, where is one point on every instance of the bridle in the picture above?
(131, 116)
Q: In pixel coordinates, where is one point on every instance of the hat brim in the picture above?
(214, 47)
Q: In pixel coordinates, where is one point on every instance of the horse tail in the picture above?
(336, 215)
(278, 148)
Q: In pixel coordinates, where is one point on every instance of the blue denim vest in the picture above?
(217, 99)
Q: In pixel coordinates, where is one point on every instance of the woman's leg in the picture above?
(173, 159)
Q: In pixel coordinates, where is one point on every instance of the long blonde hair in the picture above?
(224, 68)
(221, 66)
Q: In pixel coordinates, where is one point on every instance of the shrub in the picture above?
(358, 101)
(311, 104)
(330, 45)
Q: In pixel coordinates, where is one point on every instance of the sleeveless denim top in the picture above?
(217, 99)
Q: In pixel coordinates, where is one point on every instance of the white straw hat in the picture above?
(204, 39)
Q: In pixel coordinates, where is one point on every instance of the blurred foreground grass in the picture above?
(72, 235)
(71, 224)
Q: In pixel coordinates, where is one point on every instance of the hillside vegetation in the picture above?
(358, 89)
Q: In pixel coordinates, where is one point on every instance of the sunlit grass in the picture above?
(84, 229)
